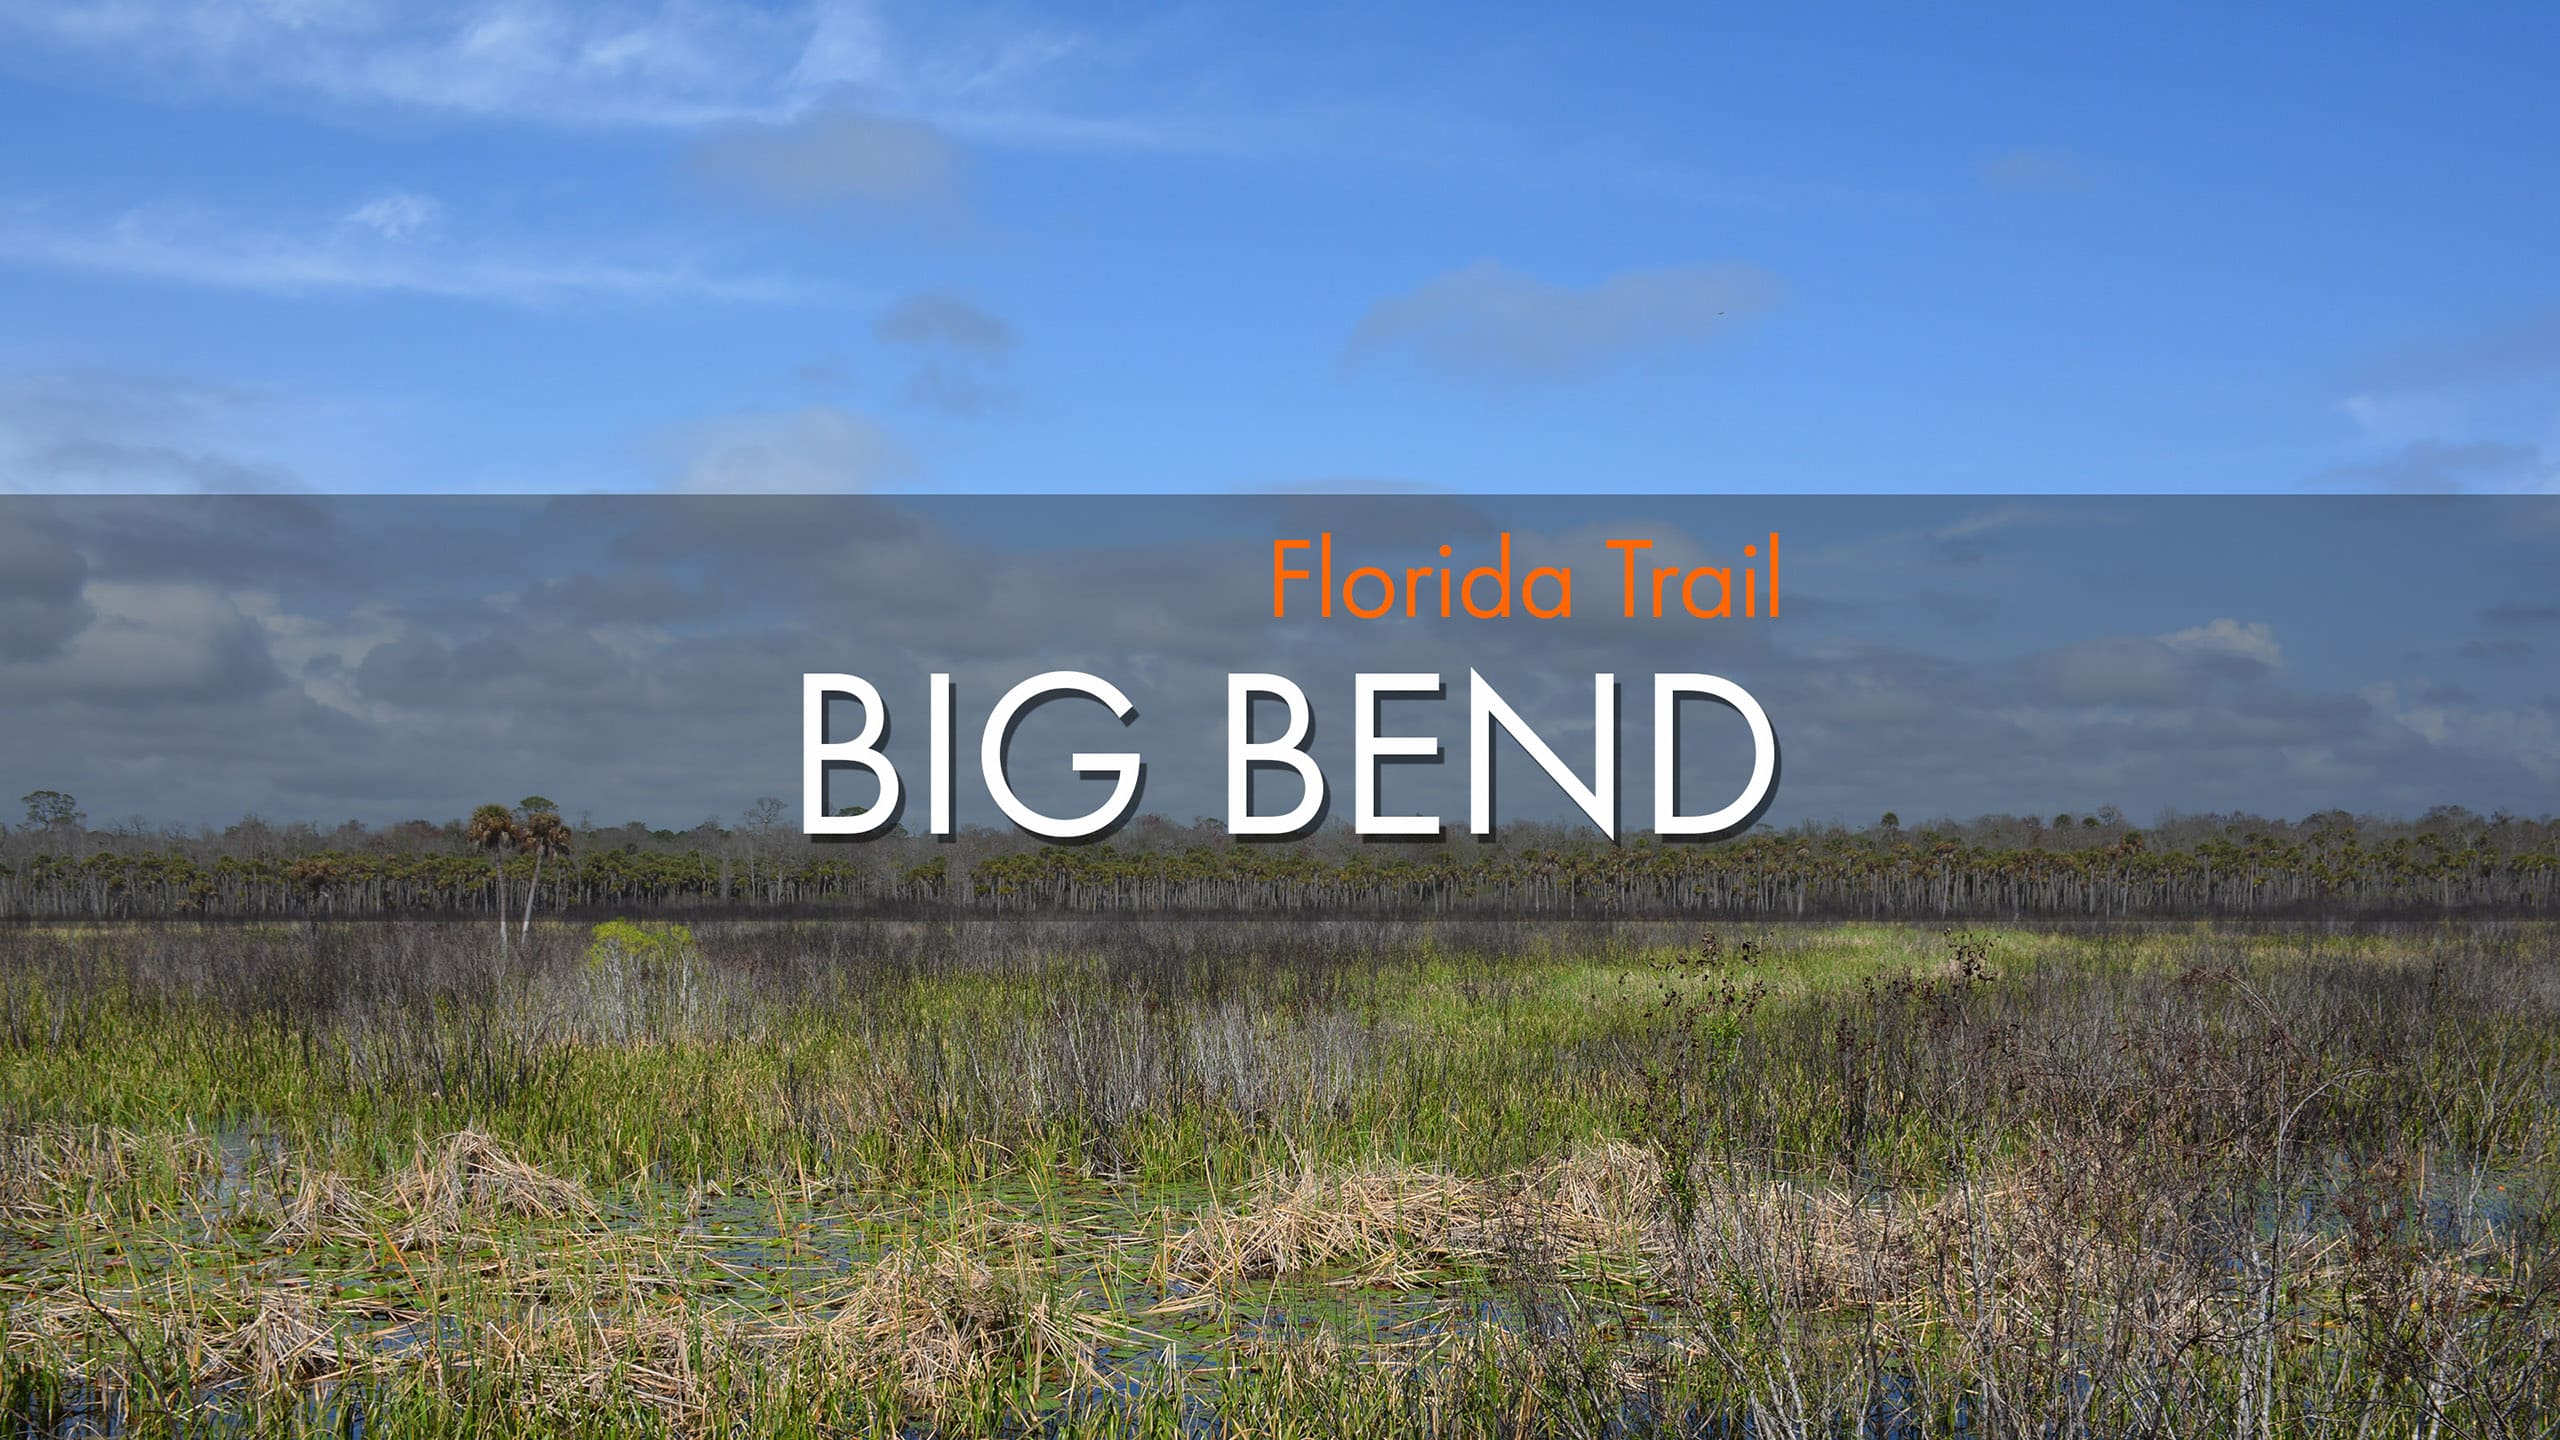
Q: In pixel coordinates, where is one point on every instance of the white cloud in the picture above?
(174, 640)
(368, 251)
(2252, 640)
(2474, 415)
(396, 216)
(2530, 738)
(606, 64)
(320, 652)
(674, 65)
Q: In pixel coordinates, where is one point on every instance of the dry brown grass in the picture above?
(325, 1207)
(254, 1335)
(979, 1301)
(284, 1340)
(466, 1176)
(2022, 1262)
(1824, 1249)
(1392, 1225)
(1389, 1223)
(57, 1172)
(1597, 1197)
(2006, 1261)
(936, 1323)
(940, 1321)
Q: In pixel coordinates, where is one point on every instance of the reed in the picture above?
(1147, 1178)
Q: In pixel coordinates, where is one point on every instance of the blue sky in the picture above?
(340, 245)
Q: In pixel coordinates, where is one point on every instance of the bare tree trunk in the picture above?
(532, 888)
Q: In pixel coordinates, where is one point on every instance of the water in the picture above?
(751, 1256)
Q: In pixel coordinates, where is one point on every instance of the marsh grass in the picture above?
(1284, 1179)
(468, 1174)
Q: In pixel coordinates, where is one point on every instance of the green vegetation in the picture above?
(2448, 863)
(1190, 1177)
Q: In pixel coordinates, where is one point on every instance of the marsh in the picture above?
(1283, 1177)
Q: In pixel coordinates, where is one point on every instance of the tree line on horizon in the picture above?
(515, 862)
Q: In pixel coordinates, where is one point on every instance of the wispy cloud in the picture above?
(110, 431)
(373, 248)
(2245, 640)
(607, 65)
(2472, 414)
(669, 65)
(396, 216)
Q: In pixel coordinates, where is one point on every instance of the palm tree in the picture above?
(315, 874)
(545, 834)
(493, 828)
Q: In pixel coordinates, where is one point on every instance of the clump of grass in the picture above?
(1394, 1225)
(1599, 1193)
(1984, 1253)
(283, 1341)
(939, 1323)
(52, 1172)
(240, 1333)
(1389, 1222)
(325, 1207)
(468, 1175)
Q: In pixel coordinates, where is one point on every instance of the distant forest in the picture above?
(527, 861)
